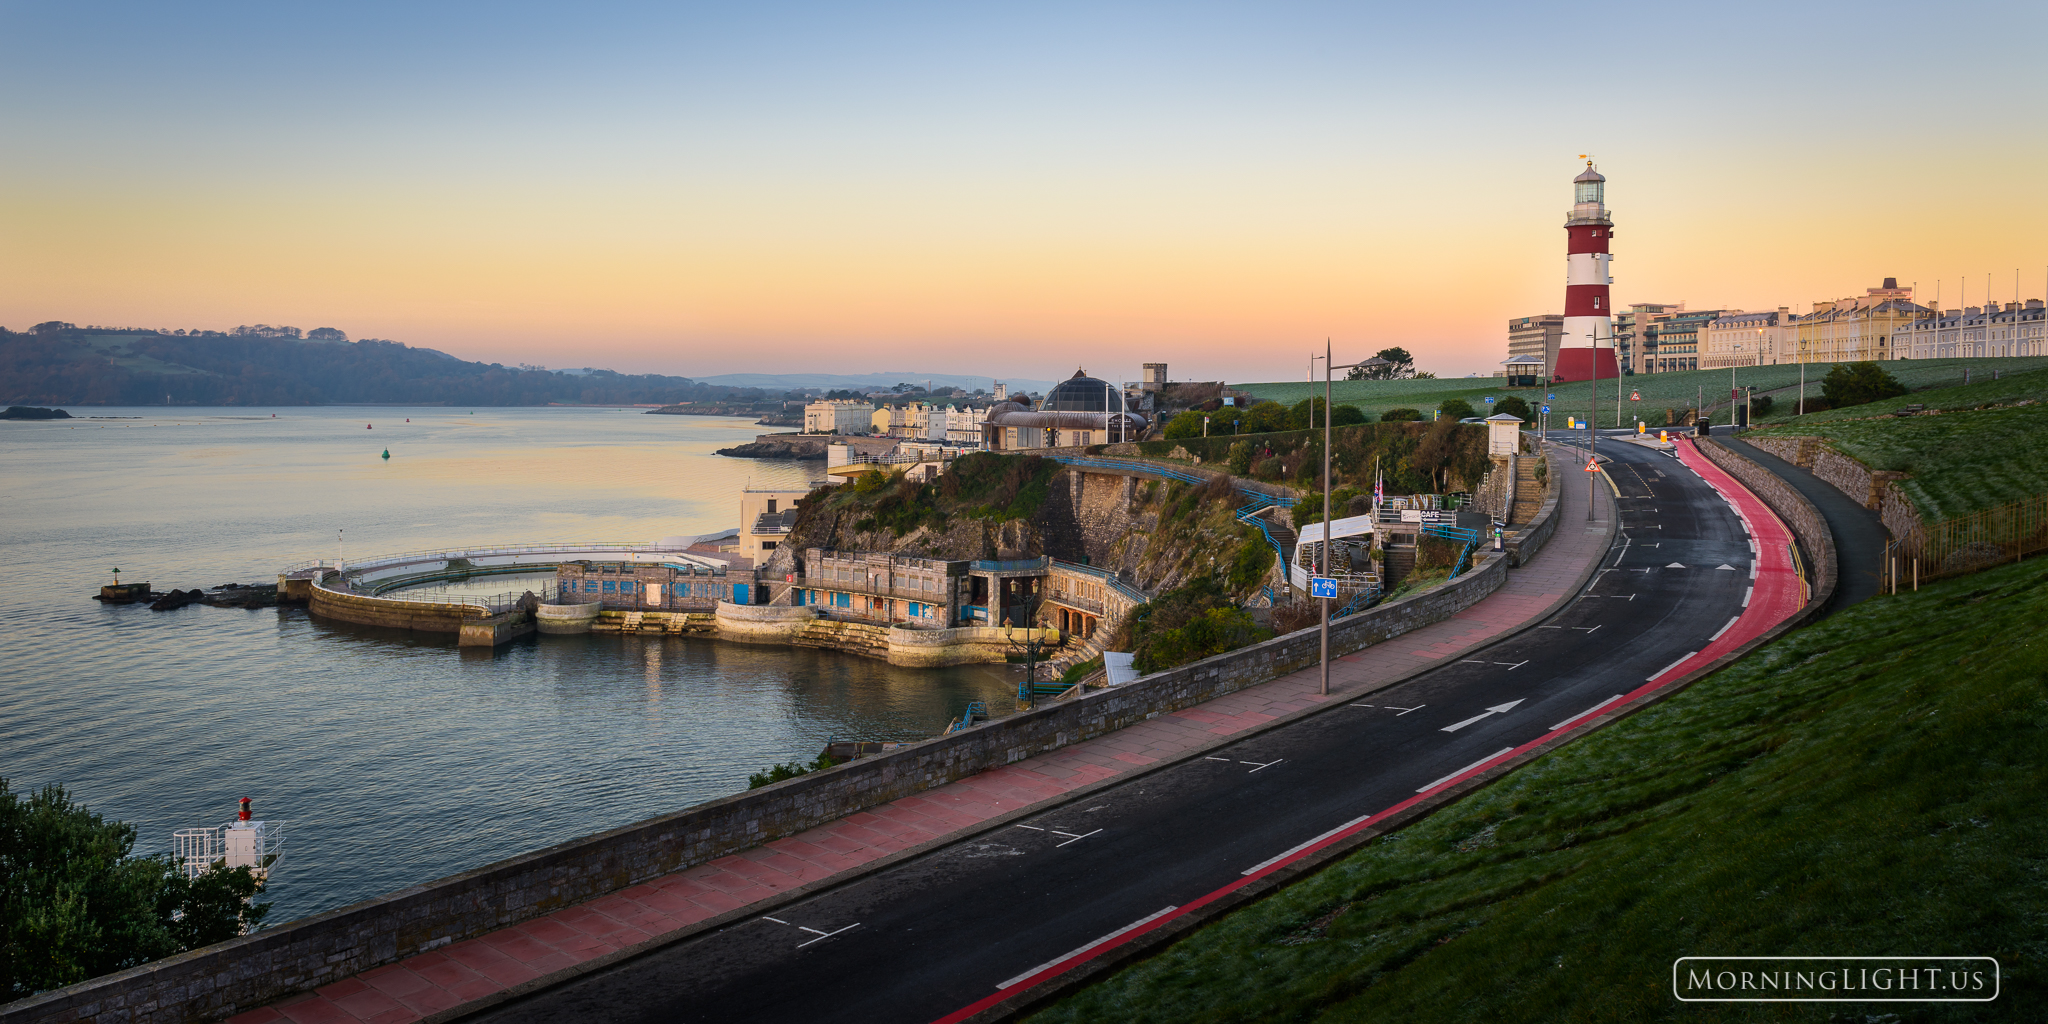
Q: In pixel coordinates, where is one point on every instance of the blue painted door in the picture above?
(739, 593)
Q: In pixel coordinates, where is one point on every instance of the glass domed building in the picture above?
(1078, 411)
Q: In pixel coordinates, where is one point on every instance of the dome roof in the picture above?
(1082, 393)
(1589, 175)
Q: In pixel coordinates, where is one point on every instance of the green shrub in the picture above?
(1249, 566)
(1455, 409)
(1858, 383)
(791, 770)
(1514, 406)
(74, 904)
(1267, 417)
(1241, 458)
(1187, 424)
(1400, 416)
(1190, 623)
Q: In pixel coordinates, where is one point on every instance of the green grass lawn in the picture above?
(1960, 462)
(2009, 386)
(1660, 391)
(1873, 785)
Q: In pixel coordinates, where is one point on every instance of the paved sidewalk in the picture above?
(431, 983)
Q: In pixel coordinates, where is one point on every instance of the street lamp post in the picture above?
(1593, 423)
(1323, 552)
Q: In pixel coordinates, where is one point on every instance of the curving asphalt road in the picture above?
(953, 931)
(1860, 536)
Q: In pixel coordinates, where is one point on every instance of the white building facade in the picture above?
(837, 416)
(1975, 332)
(1748, 339)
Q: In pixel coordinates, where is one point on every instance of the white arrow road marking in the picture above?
(1726, 566)
(1497, 709)
(1260, 767)
(1467, 768)
(1667, 668)
(1586, 712)
(1062, 958)
(1674, 565)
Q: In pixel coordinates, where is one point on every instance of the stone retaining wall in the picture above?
(363, 610)
(243, 973)
(1877, 490)
(1816, 541)
(1529, 540)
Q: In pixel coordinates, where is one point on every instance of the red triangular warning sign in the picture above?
(1592, 465)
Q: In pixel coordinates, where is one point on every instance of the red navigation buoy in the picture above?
(366, 426)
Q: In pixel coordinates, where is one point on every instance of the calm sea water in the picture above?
(394, 758)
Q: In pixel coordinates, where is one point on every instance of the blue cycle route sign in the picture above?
(1322, 586)
(1489, 399)
(1550, 398)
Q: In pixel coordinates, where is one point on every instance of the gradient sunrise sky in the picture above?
(1011, 190)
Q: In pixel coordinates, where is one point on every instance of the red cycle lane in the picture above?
(1775, 594)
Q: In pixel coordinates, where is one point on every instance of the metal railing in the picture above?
(1010, 565)
(1456, 535)
(1169, 472)
(1249, 515)
(1971, 542)
(1108, 578)
(491, 604)
(486, 551)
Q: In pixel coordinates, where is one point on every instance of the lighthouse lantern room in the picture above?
(1586, 349)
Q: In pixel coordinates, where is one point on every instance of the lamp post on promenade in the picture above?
(1593, 425)
(1323, 551)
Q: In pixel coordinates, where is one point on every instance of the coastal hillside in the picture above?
(1159, 536)
(58, 364)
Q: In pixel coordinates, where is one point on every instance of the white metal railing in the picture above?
(255, 845)
(491, 604)
(486, 551)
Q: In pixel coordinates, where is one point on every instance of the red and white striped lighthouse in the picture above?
(1586, 349)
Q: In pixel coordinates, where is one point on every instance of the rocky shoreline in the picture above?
(227, 595)
(804, 446)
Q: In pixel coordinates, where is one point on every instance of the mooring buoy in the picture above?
(387, 453)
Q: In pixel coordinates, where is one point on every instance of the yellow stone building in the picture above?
(1854, 329)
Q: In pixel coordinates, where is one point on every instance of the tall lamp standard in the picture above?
(1593, 422)
(1323, 552)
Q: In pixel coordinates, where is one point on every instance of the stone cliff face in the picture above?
(960, 538)
(1153, 535)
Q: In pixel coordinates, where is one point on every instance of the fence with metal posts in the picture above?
(1967, 543)
(491, 604)
(1456, 535)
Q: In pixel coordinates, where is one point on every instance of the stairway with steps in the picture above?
(1528, 492)
(1399, 565)
(1076, 653)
